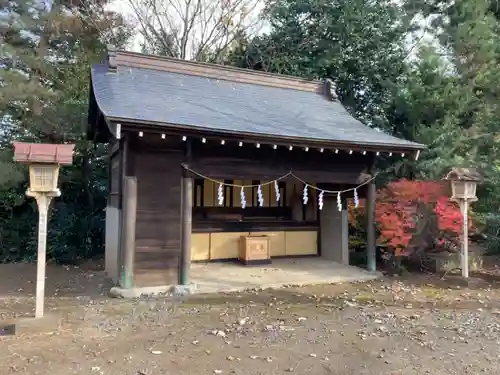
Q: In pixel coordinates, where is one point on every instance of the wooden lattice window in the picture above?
(43, 177)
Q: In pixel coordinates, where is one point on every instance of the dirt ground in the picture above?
(396, 326)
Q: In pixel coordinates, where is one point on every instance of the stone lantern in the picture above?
(463, 191)
(44, 161)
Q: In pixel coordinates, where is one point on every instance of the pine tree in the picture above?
(25, 59)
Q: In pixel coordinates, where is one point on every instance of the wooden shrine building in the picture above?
(177, 130)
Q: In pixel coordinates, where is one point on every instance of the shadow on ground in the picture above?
(68, 287)
(19, 280)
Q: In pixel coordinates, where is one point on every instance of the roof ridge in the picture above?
(223, 72)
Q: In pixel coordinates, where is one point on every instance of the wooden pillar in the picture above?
(186, 220)
(122, 145)
(129, 212)
(186, 227)
(344, 218)
(371, 252)
(464, 258)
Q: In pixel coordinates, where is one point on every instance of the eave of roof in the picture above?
(208, 99)
(247, 136)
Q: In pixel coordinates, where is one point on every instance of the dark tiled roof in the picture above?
(225, 106)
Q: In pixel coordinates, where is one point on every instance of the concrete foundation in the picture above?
(112, 243)
(447, 262)
(174, 290)
(234, 277)
(334, 235)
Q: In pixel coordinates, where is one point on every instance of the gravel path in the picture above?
(390, 327)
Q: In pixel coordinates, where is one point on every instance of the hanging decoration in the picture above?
(277, 191)
(260, 197)
(220, 195)
(320, 200)
(356, 198)
(242, 196)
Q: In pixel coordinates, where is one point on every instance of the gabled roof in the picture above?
(44, 153)
(167, 92)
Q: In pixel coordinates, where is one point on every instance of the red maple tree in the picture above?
(403, 206)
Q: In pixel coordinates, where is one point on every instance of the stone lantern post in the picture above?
(44, 161)
(463, 191)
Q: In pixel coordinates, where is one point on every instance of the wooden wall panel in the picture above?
(151, 277)
(236, 194)
(253, 198)
(291, 188)
(340, 170)
(225, 245)
(248, 192)
(200, 246)
(290, 191)
(195, 195)
(301, 243)
(268, 194)
(312, 207)
(158, 231)
(209, 194)
(273, 202)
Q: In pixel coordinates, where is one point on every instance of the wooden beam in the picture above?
(266, 140)
(114, 147)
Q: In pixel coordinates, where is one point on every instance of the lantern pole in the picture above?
(43, 202)
(465, 240)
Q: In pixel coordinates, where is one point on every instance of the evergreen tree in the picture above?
(357, 44)
(46, 55)
(24, 59)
